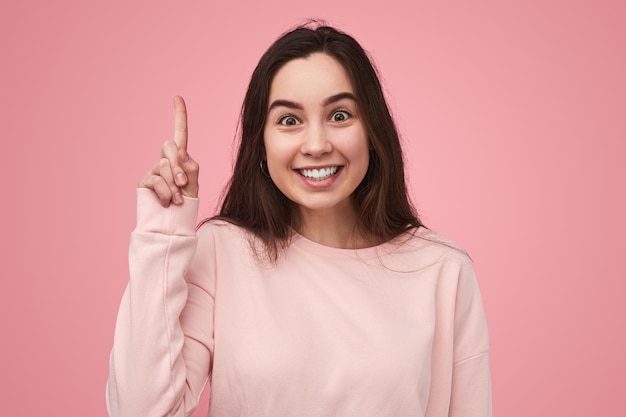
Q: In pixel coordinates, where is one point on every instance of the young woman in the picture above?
(316, 291)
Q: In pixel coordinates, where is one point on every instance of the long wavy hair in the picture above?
(252, 201)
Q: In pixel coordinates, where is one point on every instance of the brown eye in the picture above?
(340, 116)
(288, 120)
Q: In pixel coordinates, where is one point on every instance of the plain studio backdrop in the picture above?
(513, 119)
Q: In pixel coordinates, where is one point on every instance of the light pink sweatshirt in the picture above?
(394, 330)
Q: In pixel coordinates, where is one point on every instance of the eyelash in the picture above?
(346, 112)
(282, 119)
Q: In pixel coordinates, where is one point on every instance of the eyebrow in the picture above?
(298, 106)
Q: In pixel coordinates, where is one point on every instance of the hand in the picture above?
(175, 174)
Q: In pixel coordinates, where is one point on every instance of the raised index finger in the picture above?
(180, 123)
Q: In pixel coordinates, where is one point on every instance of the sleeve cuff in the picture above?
(152, 217)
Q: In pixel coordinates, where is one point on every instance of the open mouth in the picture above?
(319, 174)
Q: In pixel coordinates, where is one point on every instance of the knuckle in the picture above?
(164, 194)
(169, 146)
(164, 163)
(149, 181)
(158, 182)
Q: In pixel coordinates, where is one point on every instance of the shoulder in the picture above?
(423, 252)
(430, 246)
(226, 238)
(222, 231)
(457, 281)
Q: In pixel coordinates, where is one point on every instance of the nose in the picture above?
(315, 142)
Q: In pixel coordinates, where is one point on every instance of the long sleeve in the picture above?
(394, 330)
(159, 364)
(471, 381)
(460, 381)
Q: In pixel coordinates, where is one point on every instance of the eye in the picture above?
(288, 120)
(340, 116)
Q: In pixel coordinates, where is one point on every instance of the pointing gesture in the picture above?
(180, 123)
(175, 174)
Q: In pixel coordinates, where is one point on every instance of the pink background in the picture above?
(513, 115)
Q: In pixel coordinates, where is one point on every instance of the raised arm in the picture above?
(160, 360)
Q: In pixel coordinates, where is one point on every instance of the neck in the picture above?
(333, 227)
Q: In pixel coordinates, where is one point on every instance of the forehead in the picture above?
(315, 77)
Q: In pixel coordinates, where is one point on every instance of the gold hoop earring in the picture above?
(264, 168)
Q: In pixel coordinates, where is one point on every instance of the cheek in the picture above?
(355, 146)
(278, 152)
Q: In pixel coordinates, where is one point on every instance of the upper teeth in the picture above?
(319, 174)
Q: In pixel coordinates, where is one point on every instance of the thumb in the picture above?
(191, 169)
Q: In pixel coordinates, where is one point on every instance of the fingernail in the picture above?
(180, 179)
(178, 199)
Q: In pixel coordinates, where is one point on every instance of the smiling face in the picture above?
(316, 145)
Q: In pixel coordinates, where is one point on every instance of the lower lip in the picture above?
(319, 184)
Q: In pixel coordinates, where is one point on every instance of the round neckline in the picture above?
(299, 241)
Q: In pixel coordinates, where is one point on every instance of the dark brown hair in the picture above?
(251, 199)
